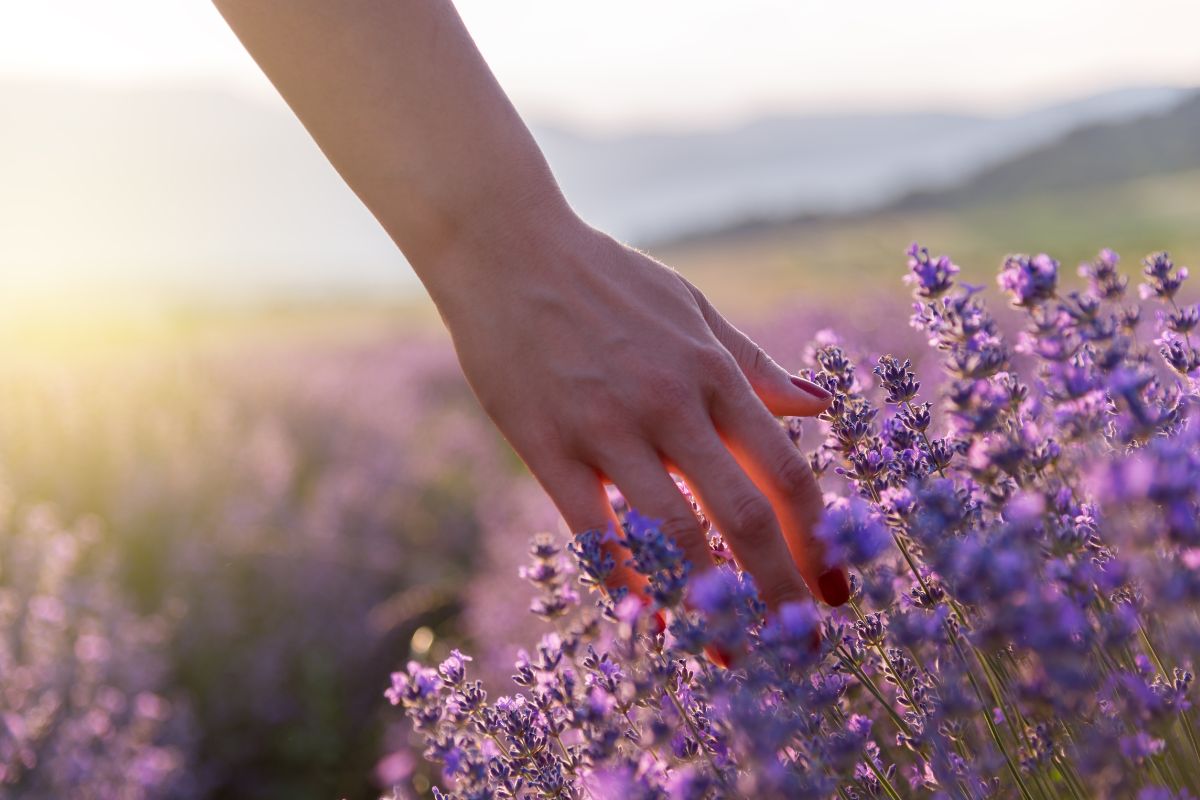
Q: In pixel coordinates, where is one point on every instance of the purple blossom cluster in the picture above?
(1025, 553)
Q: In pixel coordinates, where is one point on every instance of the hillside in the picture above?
(1092, 156)
(841, 259)
(654, 186)
(1133, 186)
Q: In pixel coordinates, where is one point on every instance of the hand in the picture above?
(596, 362)
(601, 364)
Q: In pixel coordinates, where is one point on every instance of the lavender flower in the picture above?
(1162, 278)
(1022, 620)
(1029, 280)
(932, 277)
(1104, 279)
(852, 532)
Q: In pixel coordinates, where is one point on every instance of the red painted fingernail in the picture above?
(719, 656)
(815, 641)
(660, 619)
(835, 586)
(811, 388)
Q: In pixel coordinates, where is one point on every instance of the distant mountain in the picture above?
(654, 187)
(1164, 142)
(188, 189)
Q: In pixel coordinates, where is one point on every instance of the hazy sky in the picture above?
(621, 63)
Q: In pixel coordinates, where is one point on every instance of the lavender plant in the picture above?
(1025, 547)
(286, 513)
(83, 708)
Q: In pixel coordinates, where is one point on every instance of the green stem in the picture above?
(717, 773)
(991, 726)
(907, 405)
(883, 781)
(953, 636)
(1186, 723)
(887, 661)
(1070, 778)
(866, 681)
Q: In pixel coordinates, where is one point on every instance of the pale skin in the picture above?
(595, 361)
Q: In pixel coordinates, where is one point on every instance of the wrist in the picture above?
(526, 234)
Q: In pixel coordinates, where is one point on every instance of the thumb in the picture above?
(783, 394)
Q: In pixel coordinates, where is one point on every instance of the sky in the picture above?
(598, 67)
(622, 64)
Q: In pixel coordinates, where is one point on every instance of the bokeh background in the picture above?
(241, 477)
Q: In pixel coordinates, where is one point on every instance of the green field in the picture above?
(755, 272)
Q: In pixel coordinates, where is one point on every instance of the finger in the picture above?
(641, 476)
(759, 443)
(652, 491)
(780, 391)
(741, 513)
(579, 495)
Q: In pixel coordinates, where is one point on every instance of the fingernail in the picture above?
(835, 587)
(811, 388)
(719, 656)
(659, 618)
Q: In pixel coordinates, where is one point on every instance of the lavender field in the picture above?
(214, 556)
(328, 330)
(216, 548)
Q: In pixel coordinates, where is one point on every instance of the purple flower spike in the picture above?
(1027, 280)
(931, 277)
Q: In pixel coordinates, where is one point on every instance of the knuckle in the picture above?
(796, 479)
(758, 360)
(594, 414)
(698, 296)
(726, 377)
(665, 399)
(684, 531)
(753, 521)
(664, 388)
(783, 589)
(715, 360)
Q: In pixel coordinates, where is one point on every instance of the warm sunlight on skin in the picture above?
(682, 62)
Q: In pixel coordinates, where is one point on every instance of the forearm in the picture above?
(401, 102)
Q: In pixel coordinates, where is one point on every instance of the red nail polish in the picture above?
(811, 388)
(835, 587)
(719, 656)
(660, 619)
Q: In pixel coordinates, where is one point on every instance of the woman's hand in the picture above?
(595, 361)
(601, 364)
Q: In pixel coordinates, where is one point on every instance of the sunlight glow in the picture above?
(131, 130)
